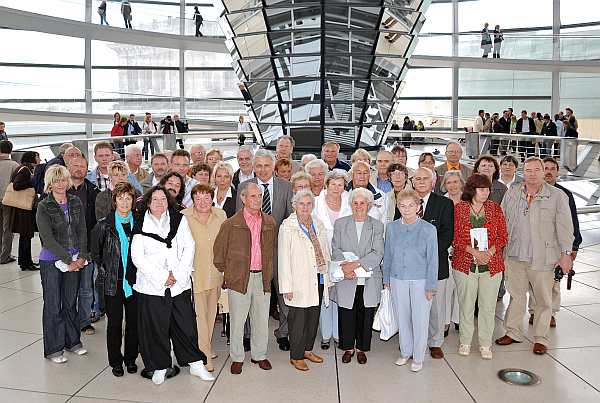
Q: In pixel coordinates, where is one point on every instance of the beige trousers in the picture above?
(518, 276)
(206, 312)
(555, 298)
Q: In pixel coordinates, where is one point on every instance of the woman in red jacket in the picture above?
(118, 130)
(479, 237)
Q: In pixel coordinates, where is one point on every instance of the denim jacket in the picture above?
(52, 226)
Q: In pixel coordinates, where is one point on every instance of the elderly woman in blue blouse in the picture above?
(410, 267)
(357, 298)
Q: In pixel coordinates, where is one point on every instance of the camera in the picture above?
(558, 275)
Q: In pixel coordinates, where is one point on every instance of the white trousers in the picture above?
(452, 309)
(412, 311)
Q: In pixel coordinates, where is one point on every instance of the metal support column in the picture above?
(87, 64)
(454, 107)
(182, 111)
(555, 102)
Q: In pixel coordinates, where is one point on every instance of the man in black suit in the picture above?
(548, 129)
(277, 202)
(526, 125)
(438, 211)
(505, 128)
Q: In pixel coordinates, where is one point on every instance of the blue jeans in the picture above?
(86, 295)
(98, 305)
(59, 317)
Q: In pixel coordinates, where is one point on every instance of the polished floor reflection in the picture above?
(569, 372)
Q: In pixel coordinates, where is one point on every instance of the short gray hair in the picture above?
(361, 192)
(246, 148)
(318, 163)
(356, 164)
(306, 158)
(450, 174)
(64, 147)
(337, 174)
(301, 195)
(264, 153)
(298, 176)
(429, 171)
(129, 148)
(245, 185)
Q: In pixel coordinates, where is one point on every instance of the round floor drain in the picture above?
(516, 376)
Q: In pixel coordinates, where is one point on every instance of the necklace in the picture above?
(478, 212)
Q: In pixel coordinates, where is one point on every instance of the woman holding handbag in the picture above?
(24, 220)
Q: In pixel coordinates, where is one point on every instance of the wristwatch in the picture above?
(567, 252)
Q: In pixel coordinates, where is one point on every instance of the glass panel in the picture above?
(308, 66)
(247, 22)
(38, 47)
(438, 18)
(21, 83)
(206, 59)
(279, 18)
(581, 92)
(257, 68)
(393, 44)
(428, 83)
(234, 5)
(70, 9)
(364, 17)
(433, 113)
(306, 90)
(475, 82)
(120, 54)
(522, 45)
(388, 67)
(211, 84)
(467, 109)
(307, 17)
(472, 14)
(578, 11)
(253, 45)
(307, 42)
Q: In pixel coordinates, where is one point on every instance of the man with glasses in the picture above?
(454, 153)
(180, 163)
(438, 211)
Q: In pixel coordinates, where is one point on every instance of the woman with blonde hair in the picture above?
(61, 224)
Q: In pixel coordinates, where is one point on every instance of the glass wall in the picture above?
(581, 92)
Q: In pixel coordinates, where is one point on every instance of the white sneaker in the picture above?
(60, 359)
(159, 376)
(401, 361)
(464, 350)
(416, 366)
(80, 351)
(486, 353)
(198, 369)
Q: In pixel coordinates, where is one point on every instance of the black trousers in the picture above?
(302, 326)
(162, 320)
(115, 305)
(24, 251)
(355, 324)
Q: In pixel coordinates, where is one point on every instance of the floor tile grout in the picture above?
(21, 349)
(87, 383)
(573, 372)
(216, 378)
(20, 305)
(460, 380)
(35, 391)
(584, 317)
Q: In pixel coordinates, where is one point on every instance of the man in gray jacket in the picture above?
(540, 238)
(7, 168)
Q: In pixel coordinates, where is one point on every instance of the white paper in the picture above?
(336, 273)
(479, 239)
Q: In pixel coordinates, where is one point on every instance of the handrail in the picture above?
(513, 136)
(225, 134)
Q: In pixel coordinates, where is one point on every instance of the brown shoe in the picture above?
(262, 364)
(347, 357)
(531, 319)
(236, 368)
(312, 357)
(539, 349)
(300, 365)
(361, 357)
(552, 322)
(506, 340)
(436, 352)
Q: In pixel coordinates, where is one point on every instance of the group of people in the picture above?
(491, 40)
(562, 124)
(124, 126)
(126, 12)
(311, 243)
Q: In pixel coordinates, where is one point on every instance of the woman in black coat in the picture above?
(23, 222)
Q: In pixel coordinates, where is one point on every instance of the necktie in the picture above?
(266, 201)
(420, 212)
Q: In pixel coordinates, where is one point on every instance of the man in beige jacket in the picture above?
(540, 237)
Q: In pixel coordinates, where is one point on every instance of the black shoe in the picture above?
(456, 327)
(446, 332)
(131, 368)
(246, 344)
(171, 372)
(284, 343)
(118, 371)
(9, 260)
(30, 268)
(325, 345)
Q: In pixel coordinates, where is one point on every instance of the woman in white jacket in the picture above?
(330, 205)
(162, 250)
(303, 261)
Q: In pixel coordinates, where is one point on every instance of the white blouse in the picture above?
(154, 260)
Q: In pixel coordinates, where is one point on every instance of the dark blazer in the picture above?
(549, 129)
(519, 128)
(505, 124)
(235, 181)
(136, 128)
(440, 213)
(230, 203)
(577, 234)
(281, 199)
